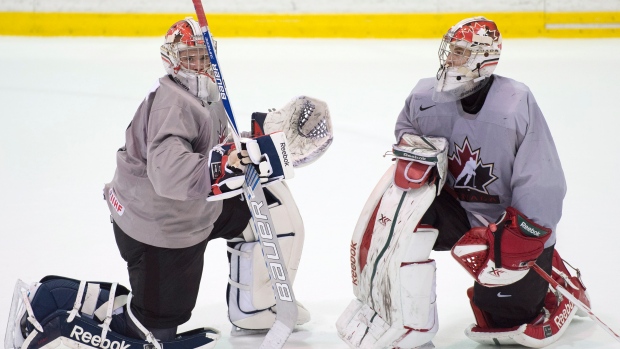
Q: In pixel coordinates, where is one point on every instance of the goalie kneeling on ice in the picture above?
(59, 312)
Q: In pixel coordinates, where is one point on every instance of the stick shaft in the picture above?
(575, 301)
(264, 229)
(217, 72)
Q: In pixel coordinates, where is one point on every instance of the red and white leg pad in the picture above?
(393, 277)
(547, 328)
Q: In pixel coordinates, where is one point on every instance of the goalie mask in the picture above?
(186, 59)
(468, 55)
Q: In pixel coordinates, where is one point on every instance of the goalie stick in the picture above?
(574, 300)
(264, 230)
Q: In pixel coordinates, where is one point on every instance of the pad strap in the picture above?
(148, 335)
(498, 244)
(90, 300)
(109, 310)
(78, 302)
(31, 318)
(425, 150)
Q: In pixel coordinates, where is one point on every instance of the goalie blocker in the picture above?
(393, 278)
(269, 153)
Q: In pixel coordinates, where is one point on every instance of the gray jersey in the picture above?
(503, 156)
(157, 195)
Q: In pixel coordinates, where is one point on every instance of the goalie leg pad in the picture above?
(59, 312)
(361, 327)
(393, 279)
(547, 327)
(251, 302)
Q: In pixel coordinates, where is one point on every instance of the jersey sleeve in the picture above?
(406, 122)
(538, 183)
(175, 170)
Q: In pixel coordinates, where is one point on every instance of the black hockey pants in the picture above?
(165, 281)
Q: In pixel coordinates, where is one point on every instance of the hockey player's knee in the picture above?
(251, 302)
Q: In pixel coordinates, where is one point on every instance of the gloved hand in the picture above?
(501, 253)
(268, 153)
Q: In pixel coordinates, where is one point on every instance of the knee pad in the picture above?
(250, 297)
(392, 275)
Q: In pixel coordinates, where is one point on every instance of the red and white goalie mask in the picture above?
(468, 55)
(186, 59)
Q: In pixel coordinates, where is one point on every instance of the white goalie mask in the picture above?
(468, 55)
(186, 59)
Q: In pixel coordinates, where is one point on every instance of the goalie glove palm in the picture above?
(502, 253)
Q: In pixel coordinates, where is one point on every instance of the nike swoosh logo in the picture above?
(499, 294)
(424, 108)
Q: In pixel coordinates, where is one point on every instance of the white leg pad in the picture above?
(393, 277)
(251, 302)
(361, 327)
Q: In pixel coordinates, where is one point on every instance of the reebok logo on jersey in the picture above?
(424, 108)
(94, 340)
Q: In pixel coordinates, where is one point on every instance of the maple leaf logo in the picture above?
(481, 28)
(479, 33)
(468, 170)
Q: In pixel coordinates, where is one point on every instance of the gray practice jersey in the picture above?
(157, 195)
(503, 156)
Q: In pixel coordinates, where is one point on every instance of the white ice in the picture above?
(65, 104)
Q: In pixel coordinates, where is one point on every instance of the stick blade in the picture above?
(277, 336)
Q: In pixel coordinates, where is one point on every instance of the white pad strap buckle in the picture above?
(108, 317)
(78, 302)
(31, 318)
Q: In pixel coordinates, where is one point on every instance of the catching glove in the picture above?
(501, 253)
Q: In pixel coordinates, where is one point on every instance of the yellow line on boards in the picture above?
(372, 25)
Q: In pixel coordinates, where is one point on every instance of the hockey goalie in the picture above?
(472, 147)
(60, 312)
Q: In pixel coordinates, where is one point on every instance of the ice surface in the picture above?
(65, 104)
